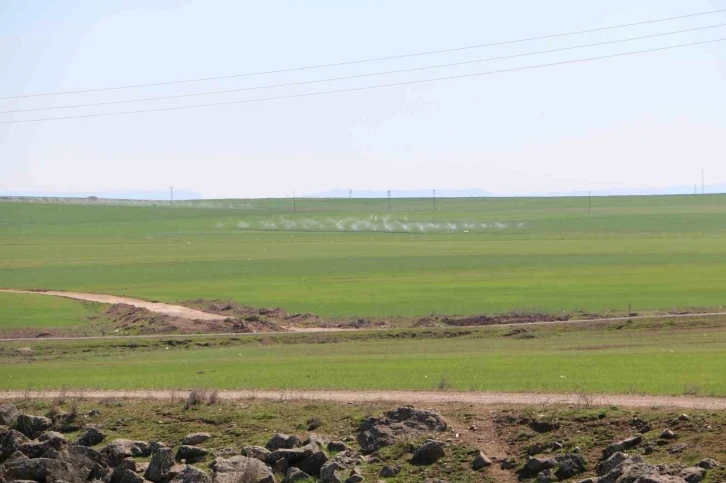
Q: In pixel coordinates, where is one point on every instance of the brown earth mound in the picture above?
(251, 314)
(488, 320)
(142, 321)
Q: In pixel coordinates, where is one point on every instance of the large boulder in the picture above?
(569, 465)
(8, 414)
(118, 449)
(694, 474)
(292, 455)
(480, 461)
(162, 461)
(257, 452)
(44, 444)
(331, 471)
(539, 464)
(312, 464)
(195, 438)
(708, 464)
(90, 436)
(33, 426)
(428, 453)
(191, 474)
(240, 468)
(190, 453)
(623, 445)
(616, 459)
(10, 442)
(295, 474)
(401, 423)
(42, 470)
(375, 438)
(283, 441)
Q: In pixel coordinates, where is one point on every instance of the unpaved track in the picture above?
(159, 308)
(411, 397)
(192, 314)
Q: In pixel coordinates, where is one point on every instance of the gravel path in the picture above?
(409, 397)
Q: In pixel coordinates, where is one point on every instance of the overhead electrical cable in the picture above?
(359, 76)
(361, 61)
(354, 89)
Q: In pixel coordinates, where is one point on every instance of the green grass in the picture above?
(676, 359)
(19, 311)
(546, 254)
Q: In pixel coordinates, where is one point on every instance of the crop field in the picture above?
(344, 258)
(354, 258)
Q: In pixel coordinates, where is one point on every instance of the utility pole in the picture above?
(171, 195)
(294, 203)
(389, 200)
(434, 200)
(589, 201)
(350, 193)
(703, 185)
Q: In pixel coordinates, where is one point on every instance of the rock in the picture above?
(545, 476)
(623, 445)
(33, 426)
(118, 449)
(283, 441)
(190, 453)
(639, 473)
(354, 478)
(257, 452)
(535, 449)
(668, 434)
(84, 456)
(293, 455)
(240, 468)
(708, 464)
(337, 446)
(428, 453)
(329, 472)
(312, 464)
(375, 438)
(418, 418)
(694, 474)
(162, 460)
(42, 470)
(295, 474)
(480, 461)
(677, 448)
(544, 426)
(8, 414)
(569, 465)
(389, 471)
(611, 463)
(16, 457)
(91, 436)
(195, 438)
(684, 417)
(191, 474)
(123, 475)
(281, 466)
(556, 446)
(10, 442)
(540, 464)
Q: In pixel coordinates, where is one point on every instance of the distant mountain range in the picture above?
(114, 195)
(475, 193)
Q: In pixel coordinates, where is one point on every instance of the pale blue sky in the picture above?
(651, 120)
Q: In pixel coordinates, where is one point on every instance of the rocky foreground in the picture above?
(34, 448)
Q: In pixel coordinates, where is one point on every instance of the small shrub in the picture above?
(195, 398)
(692, 389)
(213, 398)
(443, 384)
(314, 423)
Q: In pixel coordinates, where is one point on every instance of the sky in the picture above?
(630, 122)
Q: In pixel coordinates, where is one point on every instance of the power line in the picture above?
(375, 59)
(359, 76)
(353, 89)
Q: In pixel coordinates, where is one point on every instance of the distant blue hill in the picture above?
(114, 195)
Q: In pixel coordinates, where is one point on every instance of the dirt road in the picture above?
(192, 314)
(412, 397)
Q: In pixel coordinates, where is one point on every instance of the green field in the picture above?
(666, 357)
(19, 311)
(470, 256)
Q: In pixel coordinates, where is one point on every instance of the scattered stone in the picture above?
(508, 464)
(162, 460)
(313, 463)
(294, 474)
(668, 434)
(569, 465)
(389, 471)
(480, 461)
(190, 454)
(543, 426)
(539, 464)
(556, 446)
(677, 448)
(281, 466)
(282, 441)
(190, 474)
(376, 438)
(535, 449)
(232, 470)
(545, 476)
(708, 464)
(623, 445)
(41, 469)
(257, 452)
(428, 453)
(292, 455)
(10, 442)
(8, 414)
(337, 446)
(33, 426)
(195, 438)
(91, 436)
(684, 417)
(694, 474)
